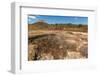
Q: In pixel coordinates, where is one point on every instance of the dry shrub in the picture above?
(84, 50)
(57, 45)
(51, 43)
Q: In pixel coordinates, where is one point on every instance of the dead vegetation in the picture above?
(49, 45)
(57, 41)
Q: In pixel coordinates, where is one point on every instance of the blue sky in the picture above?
(58, 19)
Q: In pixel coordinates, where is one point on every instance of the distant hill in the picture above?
(42, 25)
(38, 25)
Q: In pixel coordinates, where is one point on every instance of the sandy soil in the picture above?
(76, 43)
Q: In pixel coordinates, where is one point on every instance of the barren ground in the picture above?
(74, 44)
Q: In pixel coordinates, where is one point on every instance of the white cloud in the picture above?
(32, 17)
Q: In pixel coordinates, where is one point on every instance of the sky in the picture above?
(58, 19)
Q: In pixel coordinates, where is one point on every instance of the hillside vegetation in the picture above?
(64, 27)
